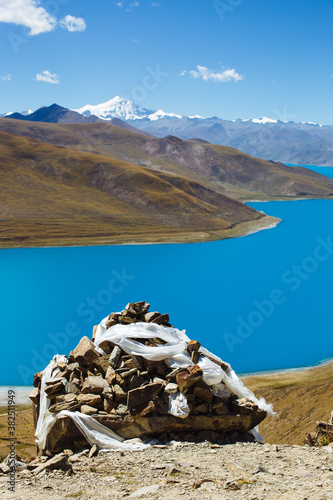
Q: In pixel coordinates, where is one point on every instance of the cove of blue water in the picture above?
(261, 302)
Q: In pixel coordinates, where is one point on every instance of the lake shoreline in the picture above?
(239, 230)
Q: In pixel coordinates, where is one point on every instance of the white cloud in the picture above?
(136, 41)
(27, 13)
(211, 75)
(6, 78)
(47, 77)
(130, 5)
(30, 14)
(72, 23)
(155, 4)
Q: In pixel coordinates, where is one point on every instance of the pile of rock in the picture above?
(323, 435)
(131, 395)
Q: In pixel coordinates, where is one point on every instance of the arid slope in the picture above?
(221, 168)
(300, 399)
(56, 196)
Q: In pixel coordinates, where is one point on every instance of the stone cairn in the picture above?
(323, 435)
(130, 394)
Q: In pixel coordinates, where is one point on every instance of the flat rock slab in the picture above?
(64, 431)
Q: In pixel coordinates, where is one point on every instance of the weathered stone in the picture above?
(203, 408)
(243, 406)
(119, 393)
(56, 388)
(323, 434)
(58, 462)
(134, 362)
(88, 410)
(34, 395)
(70, 406)
(72, 388)
(136, 381)
(161, 320)
(110, 375)
(159, 380)
(186, 378)
(94, 385)
(115, 356)
(62, 365)
(173, 373)
(54, 381)
(4, 468)
(150, 365)
(110, 322)
(102, 364)
(37, 379)
(90, 400)
(75, 369)
(93, 452)
(162, 403)
(143, 394)
(203, 391)
(143, 409)
(161, 368)
(150, 316)
(109, 405)
(127, 320)
(171, 388)
(193, 345)
(132, 308)
(142, 307)
(59, 399)
(125, 313)
(220, 409)
(195, 356)
(121, 410)
(69, 398)
(85, 352)
(128, 373)
(107, 346)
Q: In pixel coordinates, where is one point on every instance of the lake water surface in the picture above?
(262, 302)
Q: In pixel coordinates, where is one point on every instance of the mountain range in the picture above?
(304, 143)
(106, 182)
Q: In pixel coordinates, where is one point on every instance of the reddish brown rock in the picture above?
(94, 385)
(161, 320)
(34, 395)
(203, 391)
(90, 400)
(143, 394)
(186, 378)
(85, 352)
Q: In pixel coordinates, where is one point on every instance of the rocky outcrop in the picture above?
(131, 395)
(323, 435)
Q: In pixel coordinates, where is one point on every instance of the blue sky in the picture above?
(232, 58)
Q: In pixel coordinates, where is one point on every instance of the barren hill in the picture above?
(55, 195)
(221, 168)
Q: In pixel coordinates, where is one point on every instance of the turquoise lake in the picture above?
(261, 302)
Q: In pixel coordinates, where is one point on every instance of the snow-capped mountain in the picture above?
(23, 113)
(122, 108)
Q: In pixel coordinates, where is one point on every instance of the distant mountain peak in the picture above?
(125, 109)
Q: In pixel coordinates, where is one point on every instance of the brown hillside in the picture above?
(300, 398)
(56, 195)
(223, 169)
